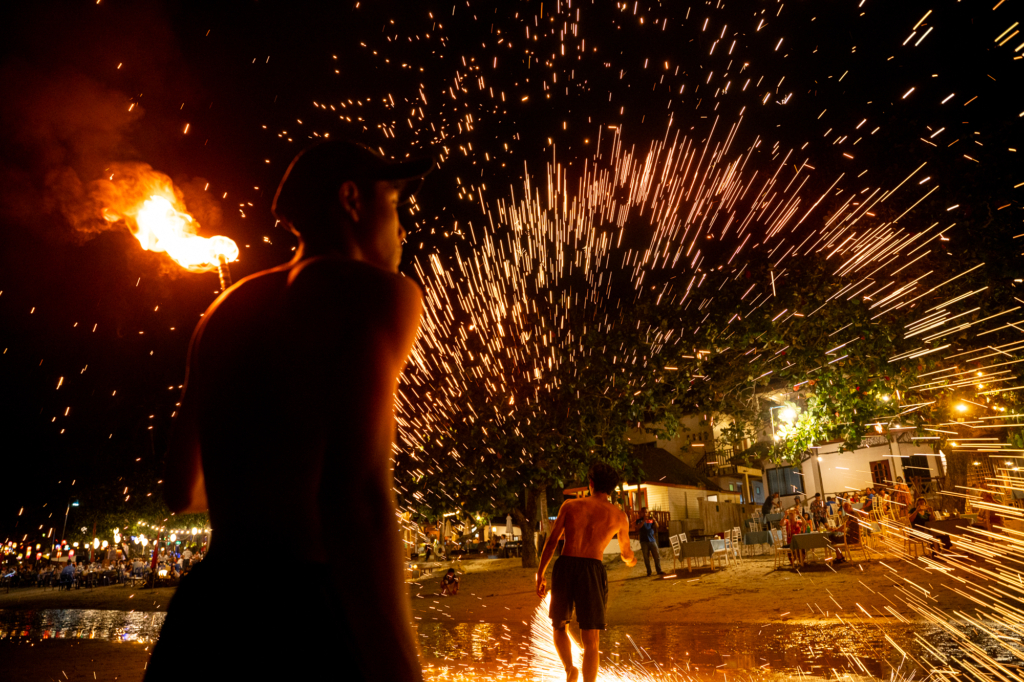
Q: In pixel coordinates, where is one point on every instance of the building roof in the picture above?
(663, 468)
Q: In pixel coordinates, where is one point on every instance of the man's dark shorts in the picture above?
(580, 583)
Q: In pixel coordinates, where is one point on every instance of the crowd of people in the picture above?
(67, 573)
(846, 517)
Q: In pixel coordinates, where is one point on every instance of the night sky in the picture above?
(486, 88)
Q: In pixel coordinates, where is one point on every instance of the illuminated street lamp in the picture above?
(787, 415)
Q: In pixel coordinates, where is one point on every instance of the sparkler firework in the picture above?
(678, 208)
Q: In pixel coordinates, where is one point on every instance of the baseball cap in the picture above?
(314, 175)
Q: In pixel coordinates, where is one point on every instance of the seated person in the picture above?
(808, 522)
(988, 517)
(848, 531)
(450, 584)
(68, 574)
(921, 515)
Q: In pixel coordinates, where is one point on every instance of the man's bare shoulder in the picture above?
(331, 274)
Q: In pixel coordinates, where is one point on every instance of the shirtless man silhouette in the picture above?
(285, 434)
(579, 579)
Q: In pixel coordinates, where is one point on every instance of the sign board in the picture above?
(748, 471)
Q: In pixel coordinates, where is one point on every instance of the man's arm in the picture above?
(624, 548)
(549, 548)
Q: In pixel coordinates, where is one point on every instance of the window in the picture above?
(785, 481)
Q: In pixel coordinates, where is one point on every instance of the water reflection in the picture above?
(825, 651)
(822, 651)
(118, 626)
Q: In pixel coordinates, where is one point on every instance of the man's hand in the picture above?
(542, 585)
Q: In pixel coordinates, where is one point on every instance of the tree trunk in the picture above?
(542, 516)
(526, 515)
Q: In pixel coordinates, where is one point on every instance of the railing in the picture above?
(715, 463)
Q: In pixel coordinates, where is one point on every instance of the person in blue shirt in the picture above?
(647, 528)
(67, 575)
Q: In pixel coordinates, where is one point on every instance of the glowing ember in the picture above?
(160, 227)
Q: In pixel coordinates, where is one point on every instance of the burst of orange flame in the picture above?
(159, 226)
(153, 209)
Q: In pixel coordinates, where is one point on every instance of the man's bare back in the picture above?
(590, 523)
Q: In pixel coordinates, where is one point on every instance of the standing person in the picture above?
(902, 497)
(647, 528)
(818, 511)
(186, 558)
(793, 525)
(579, 580)
(289, 397)
(766, 506)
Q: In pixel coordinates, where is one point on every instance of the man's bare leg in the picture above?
(563, 645)
(591, 655)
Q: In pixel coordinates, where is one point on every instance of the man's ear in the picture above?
(350, 200)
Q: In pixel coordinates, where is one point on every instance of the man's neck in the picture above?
(341, 247)
(602, 496)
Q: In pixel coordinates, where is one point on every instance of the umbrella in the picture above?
(508, 526)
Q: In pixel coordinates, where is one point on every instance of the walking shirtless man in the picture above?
(579, 579)
(285, 432)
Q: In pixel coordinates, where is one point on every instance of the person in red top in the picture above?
(793, 525)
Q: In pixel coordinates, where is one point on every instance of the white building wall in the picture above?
(680, 503)
(657, 498)
(849, 471)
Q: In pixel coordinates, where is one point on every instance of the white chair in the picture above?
(725, 552)
(676, 550)
(682, 538)
(780, 550)
(735, 542)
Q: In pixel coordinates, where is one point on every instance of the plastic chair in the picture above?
(779, 549)
(726, 551)
(676, 550)
(735, 542)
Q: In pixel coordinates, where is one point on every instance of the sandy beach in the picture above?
(501, 592)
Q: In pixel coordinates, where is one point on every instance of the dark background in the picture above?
(257, 81)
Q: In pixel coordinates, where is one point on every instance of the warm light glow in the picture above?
(159, 226)
(961, 407)
(787, 415)
(173, 537)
